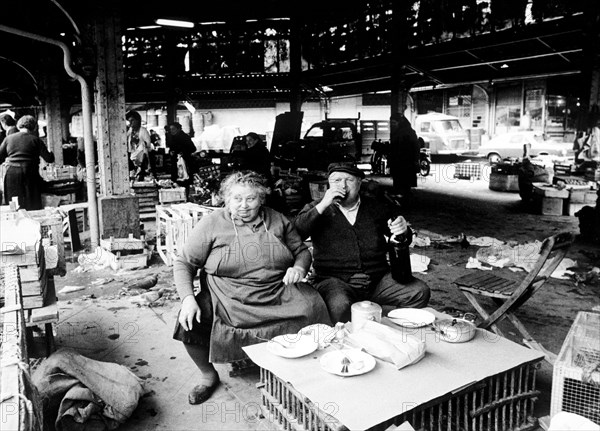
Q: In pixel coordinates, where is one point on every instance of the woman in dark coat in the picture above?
(21, 154)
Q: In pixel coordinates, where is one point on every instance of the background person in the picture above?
(253, 260)
(180, 144)
(8, 126)
(257, 157)
(404, 155)
(348, 233)
(21, 154)
(139, 144)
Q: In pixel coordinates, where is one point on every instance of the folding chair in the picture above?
(510, 295)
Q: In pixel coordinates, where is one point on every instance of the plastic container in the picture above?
(364, 311)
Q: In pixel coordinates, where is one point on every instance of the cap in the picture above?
(347, 167)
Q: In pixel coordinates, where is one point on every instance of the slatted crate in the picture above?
(501, 402)
(576, 376)
(467, 171)
(173, 226)
(174, 195)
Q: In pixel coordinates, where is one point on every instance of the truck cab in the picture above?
(325, 142)
(441, 133)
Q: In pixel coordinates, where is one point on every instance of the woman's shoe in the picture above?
(201, 393)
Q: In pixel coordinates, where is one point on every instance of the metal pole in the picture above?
(88, 138)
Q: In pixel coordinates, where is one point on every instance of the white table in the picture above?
(489, 381)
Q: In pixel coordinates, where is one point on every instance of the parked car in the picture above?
(441, 133)
(512, 145)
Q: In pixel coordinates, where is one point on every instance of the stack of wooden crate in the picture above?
(20, 403)
(147, 191)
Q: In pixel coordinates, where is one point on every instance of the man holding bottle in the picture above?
(348, 233)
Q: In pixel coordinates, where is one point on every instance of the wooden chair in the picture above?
(510, 295)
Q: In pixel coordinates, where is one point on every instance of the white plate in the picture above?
(297, 345)
(360, 362)
(411, 317)
(321, 333)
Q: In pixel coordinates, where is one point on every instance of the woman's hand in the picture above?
(294, 275)
(398, 226)
(189, 311)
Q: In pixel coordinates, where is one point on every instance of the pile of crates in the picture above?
(576, 378)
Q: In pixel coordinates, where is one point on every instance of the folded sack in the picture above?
(389, 345)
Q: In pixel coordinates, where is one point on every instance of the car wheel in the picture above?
(425, 167)
(494, 158)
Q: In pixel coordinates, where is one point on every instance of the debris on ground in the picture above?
(69, 289)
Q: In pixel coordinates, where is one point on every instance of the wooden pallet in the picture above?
(173, 226)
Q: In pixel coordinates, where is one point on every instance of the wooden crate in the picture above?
(173, 226)
(130, 252)
(174, 195)
(20, 404)
(51, 221)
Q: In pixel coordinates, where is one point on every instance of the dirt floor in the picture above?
(105, 320)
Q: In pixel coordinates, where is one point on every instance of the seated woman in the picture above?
(253, 260)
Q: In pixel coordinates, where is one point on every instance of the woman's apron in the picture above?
(249, 298)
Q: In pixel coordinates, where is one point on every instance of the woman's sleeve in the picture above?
(193, 257)
(302, 256)
(3, 152)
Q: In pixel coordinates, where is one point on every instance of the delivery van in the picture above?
(441, 133)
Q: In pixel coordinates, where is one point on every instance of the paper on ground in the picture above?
(419, 263)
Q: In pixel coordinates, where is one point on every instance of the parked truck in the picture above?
(336, 140)
(324, 142)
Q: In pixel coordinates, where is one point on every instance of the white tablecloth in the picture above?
(361, 402)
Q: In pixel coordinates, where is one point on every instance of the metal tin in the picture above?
(363, 311)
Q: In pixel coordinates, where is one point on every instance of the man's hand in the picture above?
(398, 226)
(293, 275)
(330, 196)
(189, 311)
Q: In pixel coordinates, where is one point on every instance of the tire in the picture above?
(494, 158)
(424, 167)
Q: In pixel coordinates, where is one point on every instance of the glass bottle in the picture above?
(400, 258)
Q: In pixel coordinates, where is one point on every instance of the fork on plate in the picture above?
(345, 363)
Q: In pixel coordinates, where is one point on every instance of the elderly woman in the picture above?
(252, 260)
(21, 154)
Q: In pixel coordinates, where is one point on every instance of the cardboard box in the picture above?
(542, 189)
(549, 206)
(572, 207)
(583, 196)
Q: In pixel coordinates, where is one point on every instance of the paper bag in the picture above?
(389, 345)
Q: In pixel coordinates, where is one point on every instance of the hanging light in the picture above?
(174, 23)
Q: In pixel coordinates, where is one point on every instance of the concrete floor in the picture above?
(103, 323)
